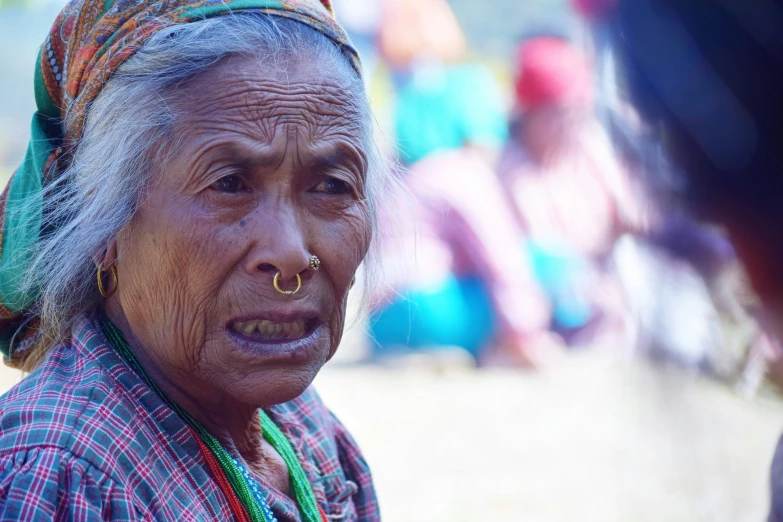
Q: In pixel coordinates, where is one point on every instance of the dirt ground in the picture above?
(593, 438)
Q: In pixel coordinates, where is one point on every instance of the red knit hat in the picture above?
(552, 71)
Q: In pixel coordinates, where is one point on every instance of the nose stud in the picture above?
(315, 263)
(276, 284)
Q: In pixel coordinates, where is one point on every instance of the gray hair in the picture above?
(101, 190)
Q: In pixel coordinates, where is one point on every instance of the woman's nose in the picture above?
(279, 244)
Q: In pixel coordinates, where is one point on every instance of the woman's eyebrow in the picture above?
(338, 156)
(244, 153)
(252, 154)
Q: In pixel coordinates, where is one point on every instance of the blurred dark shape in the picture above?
(708, 84)
(707, 250)
(707, 76)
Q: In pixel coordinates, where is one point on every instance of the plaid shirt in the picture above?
(83, 438)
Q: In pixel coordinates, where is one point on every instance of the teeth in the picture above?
(247, 327)
(270, 329)
(263, 327)
(292, 330)
(250, 327)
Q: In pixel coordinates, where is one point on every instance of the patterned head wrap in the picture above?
(89, 40)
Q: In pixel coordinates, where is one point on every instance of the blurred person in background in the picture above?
(455, 277)
(569, 192)
(684, 284)
(706, 78)
(609, 258)
(443, 101)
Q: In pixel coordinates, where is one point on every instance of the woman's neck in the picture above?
(234, 424)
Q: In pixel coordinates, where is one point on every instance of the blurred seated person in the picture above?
(441, 100)
(455, 275)
(567, 188)
(454, 272)
(442, 108)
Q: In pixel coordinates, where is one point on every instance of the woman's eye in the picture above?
(333, 186)
(229, 184)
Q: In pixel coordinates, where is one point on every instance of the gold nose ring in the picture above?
(276, 283)
(315, 263)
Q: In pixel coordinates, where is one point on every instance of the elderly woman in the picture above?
(177, 251)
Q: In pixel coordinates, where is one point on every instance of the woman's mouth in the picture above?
(268, 331)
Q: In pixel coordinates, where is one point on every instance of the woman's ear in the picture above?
(108, 257)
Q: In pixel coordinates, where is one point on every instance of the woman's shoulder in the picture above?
(48, 483)
(54, 441)
(84, 399)
(85, 426)
(64, 399)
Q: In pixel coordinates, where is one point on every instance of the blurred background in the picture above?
(544, 336)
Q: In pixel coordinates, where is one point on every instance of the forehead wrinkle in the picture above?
(262, 133)
(323, 100)
(259, 108)
(329, 153)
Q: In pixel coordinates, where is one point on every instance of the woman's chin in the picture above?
(279, 391)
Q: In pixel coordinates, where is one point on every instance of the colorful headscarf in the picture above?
(89, 40)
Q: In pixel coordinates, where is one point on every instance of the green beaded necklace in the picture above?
(303, 491)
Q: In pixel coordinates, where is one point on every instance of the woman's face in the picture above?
(269, 170)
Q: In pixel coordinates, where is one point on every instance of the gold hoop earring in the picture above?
(315, 263)
(276, 284)
(102, 290)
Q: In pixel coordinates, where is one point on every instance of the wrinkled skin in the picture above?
(269, 170)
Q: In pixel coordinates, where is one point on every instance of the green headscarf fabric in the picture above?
(89, 40)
